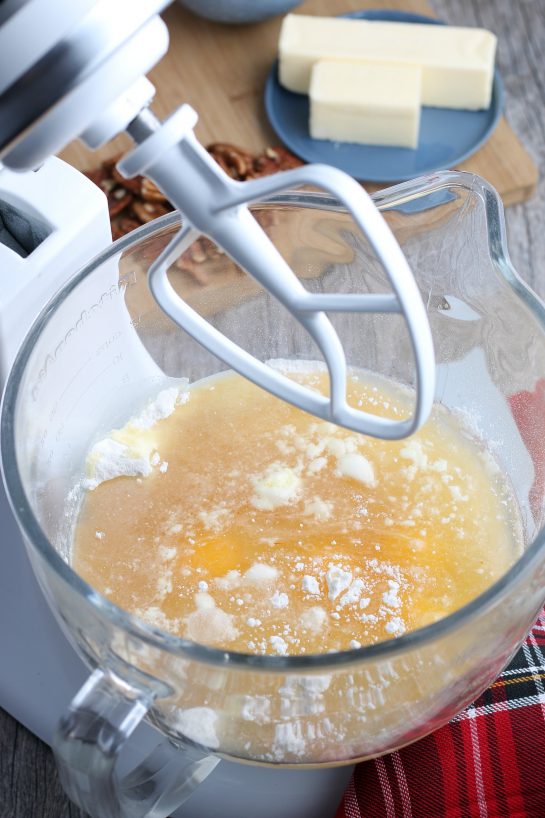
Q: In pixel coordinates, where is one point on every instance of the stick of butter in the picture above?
(365, 102)
(457, 63)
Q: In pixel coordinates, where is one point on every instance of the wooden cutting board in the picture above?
(221, 70)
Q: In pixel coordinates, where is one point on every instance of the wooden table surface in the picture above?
(221, 71)
(29, 786)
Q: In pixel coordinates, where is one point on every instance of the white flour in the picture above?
(198, 724)
(278, 486)
(131, 451)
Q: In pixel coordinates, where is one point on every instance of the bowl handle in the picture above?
(89, 739)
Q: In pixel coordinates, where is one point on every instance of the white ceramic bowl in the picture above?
(239, 11)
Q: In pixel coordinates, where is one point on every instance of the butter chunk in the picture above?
(369, 103)
(457, 63)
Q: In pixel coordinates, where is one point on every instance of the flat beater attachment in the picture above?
(215, 205)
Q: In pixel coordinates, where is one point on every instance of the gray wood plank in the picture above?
(29, 786)
(520, 28)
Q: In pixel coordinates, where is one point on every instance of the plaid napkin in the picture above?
(489, 762)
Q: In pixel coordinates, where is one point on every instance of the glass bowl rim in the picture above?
(154, 637)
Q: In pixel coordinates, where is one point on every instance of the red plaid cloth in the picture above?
(489, 762)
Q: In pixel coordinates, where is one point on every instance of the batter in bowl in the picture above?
(227, 516)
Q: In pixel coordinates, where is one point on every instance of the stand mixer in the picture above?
(75, 69)
(89, 85)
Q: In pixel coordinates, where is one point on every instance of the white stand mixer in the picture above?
(75, 69)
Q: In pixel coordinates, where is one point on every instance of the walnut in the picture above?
(148, 211)
(118, 200)
(150, 192)
(133, 202)
(130, 184)
(236, 162)
(122, 226)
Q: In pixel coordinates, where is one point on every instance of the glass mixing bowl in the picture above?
(102, 347)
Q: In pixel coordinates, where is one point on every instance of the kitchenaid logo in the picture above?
(85, 316)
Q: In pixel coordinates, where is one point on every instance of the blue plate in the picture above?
(447, 137)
